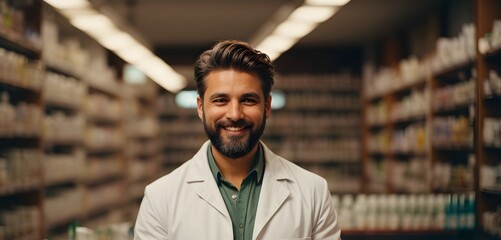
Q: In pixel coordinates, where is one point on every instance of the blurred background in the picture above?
(395, 102)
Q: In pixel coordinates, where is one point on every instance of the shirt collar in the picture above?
(258, 168)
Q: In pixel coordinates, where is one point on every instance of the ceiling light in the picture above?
(275, 43)
(83, 16)
(273, 54)
(89, 22)
(134, 54)
(117, 41)
(294, 29)
(68, 4)
(315, 14)
(327, 2)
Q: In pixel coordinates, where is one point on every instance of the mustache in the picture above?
(229, 123)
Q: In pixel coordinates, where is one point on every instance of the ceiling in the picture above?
(196, 23)
(179, 30)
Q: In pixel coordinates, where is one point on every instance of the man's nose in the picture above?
(234, 111)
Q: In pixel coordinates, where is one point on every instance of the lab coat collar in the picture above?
(273, 192)
(204, 183)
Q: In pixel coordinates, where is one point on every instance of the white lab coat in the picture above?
(187, 205)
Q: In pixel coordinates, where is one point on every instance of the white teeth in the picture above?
(233, 129)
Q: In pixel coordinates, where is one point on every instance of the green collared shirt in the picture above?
(241, 205)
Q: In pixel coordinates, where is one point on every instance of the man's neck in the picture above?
(235, 169)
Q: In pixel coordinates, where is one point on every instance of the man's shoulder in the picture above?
(170, 180)
(175, 179)
(300, 174)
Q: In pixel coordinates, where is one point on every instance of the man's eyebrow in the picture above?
(218, 95)
(251, 95)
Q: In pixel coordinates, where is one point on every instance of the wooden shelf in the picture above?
(100, 119)
(103, 177)
(450, 72)
(18, 87)
(59, 181)
(452, 148)
(72, 141)
(62, 221)
(406, 88)
(462, 109)
(63, 69)
(410, 120)
(104, 149)
(492, 190)
(13, 141)
(406, 234)
(68, 106)
(494, 55)
(17, 188)
(18, 44)
(410, 154)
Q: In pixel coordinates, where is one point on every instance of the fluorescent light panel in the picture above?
(68, 4)
(327, 2)
(294, 29)
(81, 15)
(300, 23)
(315, 14)
(276, 43)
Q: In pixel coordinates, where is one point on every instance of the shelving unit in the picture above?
(64, 93)
(143, 146)
(319, 126)
(460, 159)
(178, 123)
(21, 107)
(397, 143)
(487, 145)
(453, 128)
(85, 162)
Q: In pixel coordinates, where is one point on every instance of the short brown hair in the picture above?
(232, 54)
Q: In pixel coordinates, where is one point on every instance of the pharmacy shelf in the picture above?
(19, 188)
(62, 105)
(21, 136)
(495, 190)
(102, 177)
(451, 148)
(18, 87)
(406, 88)
(110, 90)
(18, 44)
(460, 109)
(456, 84)
(12, 140)
(63, 68)
(489, 150)
(405, 234)
(403, 122)
(449, 74)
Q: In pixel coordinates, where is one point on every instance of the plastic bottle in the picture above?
(7, 114)
(470, 212)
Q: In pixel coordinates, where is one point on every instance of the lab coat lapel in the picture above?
(273, 192)
(204, 183)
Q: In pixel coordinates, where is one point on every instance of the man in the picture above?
(235, 187)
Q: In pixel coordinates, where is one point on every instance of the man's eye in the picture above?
(219, 100)
(249, 100)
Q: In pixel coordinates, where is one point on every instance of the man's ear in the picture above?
(268, 106)
(200, 109)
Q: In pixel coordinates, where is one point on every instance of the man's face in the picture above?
(233, 111)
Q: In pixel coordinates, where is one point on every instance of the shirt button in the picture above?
(234, 196)
(241, 225)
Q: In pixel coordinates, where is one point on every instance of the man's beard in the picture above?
(237, 146)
